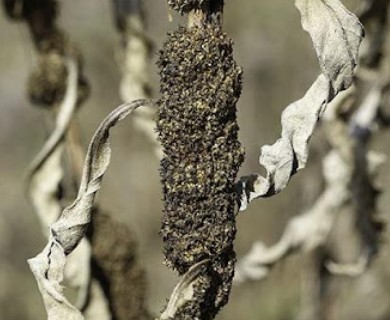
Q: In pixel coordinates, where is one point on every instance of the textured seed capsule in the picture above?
(47, 84)
(187, 5)
(196, 122)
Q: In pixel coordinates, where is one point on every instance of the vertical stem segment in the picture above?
(197, 127)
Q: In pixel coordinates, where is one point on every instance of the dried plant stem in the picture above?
(358, 126)
(134, 57)
(314, 301)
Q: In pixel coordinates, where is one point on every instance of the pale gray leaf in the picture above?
(67, 232)
(349, 269)
(336, 34)
(45, 172)
(48, 268)
(133, 61)
(306, 231)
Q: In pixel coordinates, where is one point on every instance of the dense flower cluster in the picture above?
(200, 85)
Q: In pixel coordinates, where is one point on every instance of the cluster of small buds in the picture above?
(197, 127)
(184, 6)
(47, 82)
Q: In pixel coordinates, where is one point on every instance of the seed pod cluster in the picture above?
(47, 83)
(196, 122)
(115, 263)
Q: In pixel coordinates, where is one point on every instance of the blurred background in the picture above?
(279, 65)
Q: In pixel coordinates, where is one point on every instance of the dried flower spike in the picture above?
(197, 126)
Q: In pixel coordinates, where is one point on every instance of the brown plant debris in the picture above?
(115, 263)
(200, 85)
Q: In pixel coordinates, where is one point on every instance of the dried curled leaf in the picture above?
(304, 232)
(336, 34)
(364, 192)
(184, 290)
(350, 171)
(44, 179)
(68, 231)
